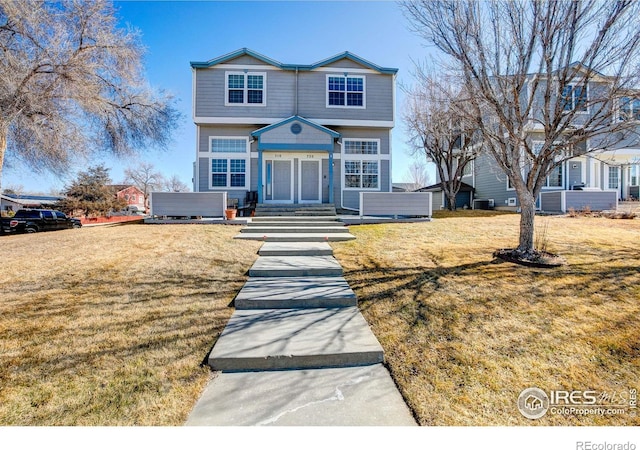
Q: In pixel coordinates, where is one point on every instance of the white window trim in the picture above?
(573, 99)
(245, 89)
(229, 156)
(358, 155)
(360, 160)
(345, 76)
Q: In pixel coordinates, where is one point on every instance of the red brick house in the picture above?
(133, 196)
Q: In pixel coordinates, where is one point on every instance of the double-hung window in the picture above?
(574, 97)
(629, 108)
(614, 177)
(345, 91)
(245, 88)
(361, 164)
(229, 162)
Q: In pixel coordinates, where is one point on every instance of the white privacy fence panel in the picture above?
(396, 204)
(187, 204)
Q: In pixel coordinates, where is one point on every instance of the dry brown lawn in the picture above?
(109, 326)
(464, 334)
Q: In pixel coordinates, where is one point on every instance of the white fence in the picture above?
(188, 204)
(562, 201)
(396, 204)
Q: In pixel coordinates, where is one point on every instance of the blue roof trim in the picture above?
(233, 55)
(304, 67)
(330, 132)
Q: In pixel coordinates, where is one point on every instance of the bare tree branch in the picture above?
(72, 82)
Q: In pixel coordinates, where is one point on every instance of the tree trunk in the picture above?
(451, 198)
(4, 130)
(527, 216)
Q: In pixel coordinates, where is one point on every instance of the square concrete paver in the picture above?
(270, 339)
(352, 396)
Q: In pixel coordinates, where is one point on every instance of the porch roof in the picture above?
(302, 134)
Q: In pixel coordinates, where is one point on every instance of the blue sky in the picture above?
(301, 32)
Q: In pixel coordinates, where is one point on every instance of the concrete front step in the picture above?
(296, 224)
(295, 249)
(295, 219)
(296, 237)
(296, 266)
(352, 396)
(276, 339)
(294, 229)
(295, 292)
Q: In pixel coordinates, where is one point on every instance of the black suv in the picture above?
(34, 220)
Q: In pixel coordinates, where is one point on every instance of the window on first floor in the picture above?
(555, 178)
(361, 147)
(228, 172)
(634, 175)
(614, 178)
(361, 174)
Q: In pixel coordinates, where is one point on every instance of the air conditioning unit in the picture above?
(511, 201)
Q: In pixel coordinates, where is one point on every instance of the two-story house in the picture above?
(607, 163)
(293, 133)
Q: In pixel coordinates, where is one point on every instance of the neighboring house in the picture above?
(464, 198)
(293, 133)
(578, 182)
(14, 202)
(132, 195)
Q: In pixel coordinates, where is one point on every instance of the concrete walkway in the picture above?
(297, 350)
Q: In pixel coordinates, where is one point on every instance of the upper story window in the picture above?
(345, 91)
(245, 88)
(629, 108)
(574, 97)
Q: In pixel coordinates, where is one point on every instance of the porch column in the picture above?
(260, 189)
(331, 176)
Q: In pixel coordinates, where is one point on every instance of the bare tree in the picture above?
(534, 71)
(146, 178)
(417, 175)
(439, 132)
(174, 184)
(71, 81)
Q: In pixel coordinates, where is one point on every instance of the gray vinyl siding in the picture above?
(596, 201)
(384, 134)
(575, 173)
(490, 181)
(308, 135)
(312, 102)
(210, 95)
(207, 131)
(203, 174)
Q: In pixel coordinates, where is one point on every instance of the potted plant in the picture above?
(230, 213)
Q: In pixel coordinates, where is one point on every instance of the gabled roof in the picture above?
(330, 132)
(302, 67)
(464, 187)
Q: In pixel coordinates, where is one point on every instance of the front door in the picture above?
(281, 183)
(310, 188)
